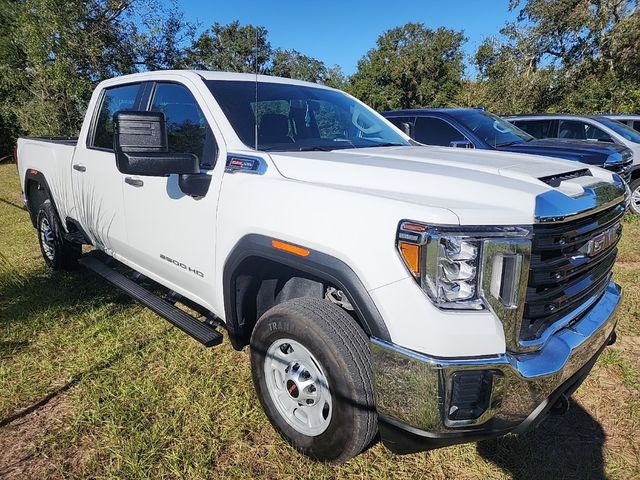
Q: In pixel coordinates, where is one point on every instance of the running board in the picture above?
(202, 332)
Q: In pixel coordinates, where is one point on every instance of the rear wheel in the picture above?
(57, 252)
(635, 196)
(311, 370)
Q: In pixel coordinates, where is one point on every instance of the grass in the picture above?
(93, 385)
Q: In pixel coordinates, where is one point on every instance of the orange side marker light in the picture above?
(287, 247)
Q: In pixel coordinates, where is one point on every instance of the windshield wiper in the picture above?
(315, 148)
(389, 144)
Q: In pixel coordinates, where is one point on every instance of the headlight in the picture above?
(614, 158)
(468, 268)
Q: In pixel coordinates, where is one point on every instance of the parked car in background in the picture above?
(630, 120)
(595, 128)
(475, 128)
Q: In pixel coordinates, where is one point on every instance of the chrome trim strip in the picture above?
(554, 206)
(414, 388)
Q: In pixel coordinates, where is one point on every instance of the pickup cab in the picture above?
(431, 295)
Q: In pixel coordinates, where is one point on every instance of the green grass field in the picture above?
(93, 385)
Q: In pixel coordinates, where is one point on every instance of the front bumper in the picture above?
(413, 390)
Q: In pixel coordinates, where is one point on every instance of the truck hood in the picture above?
(577, 150)
(479, 187)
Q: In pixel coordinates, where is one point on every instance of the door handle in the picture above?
(80, 168)
(136, 182)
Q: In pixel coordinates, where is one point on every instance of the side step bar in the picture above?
(202, 332)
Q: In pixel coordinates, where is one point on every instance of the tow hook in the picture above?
(612, 338)
(561, 406)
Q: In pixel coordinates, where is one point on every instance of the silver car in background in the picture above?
(595, 128)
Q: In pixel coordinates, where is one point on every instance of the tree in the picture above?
(572, 55)
(293, 64)
(53, 52)
(411, 66)
(231, 48)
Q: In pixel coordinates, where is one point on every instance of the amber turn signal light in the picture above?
(411, 255)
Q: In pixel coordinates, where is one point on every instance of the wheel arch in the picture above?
(37, 191)
(254, 261)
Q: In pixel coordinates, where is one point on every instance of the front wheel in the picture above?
(635, 196)
(311, 370)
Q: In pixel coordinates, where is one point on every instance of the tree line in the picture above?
(578, 56)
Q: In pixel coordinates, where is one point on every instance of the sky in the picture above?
(341, 32)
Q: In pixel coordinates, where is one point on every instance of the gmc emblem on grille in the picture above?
(602, 241)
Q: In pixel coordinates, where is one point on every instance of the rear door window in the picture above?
(536, 128)
(114, 99)
(433, 131)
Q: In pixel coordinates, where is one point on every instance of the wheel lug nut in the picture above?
(311, 388)
(296, 367)
(309, 402)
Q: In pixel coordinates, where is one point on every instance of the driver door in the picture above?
(171, 235)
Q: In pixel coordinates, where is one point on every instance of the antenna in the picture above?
(255, 110)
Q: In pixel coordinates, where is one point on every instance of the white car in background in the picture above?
(628, 119)
(600, 128)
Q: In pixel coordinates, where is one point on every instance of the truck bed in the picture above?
(70, 141)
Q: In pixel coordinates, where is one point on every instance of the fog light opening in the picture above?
(470, 395)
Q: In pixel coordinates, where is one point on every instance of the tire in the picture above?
(57, 252)
(342, 419)
(635, 196)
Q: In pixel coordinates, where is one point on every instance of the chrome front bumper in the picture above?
(413, 390)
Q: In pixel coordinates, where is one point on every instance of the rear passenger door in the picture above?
(171, 235)
(435, 131)
(97, 183)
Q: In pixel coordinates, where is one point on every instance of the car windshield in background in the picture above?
(300, 118)
(621, 129)
(492, 129)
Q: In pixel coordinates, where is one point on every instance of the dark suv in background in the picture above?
(475, 128)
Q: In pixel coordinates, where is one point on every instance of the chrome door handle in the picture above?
(80, 168)
(136, 182)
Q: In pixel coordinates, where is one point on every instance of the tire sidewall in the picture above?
(330, 443)
(633, 186)
(45, 211)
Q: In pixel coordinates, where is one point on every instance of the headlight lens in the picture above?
(466, 268)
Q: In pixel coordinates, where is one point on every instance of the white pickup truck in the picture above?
(434, 295)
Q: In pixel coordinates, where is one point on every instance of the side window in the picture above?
(187, 129)
(113, 100)
(433, 131)
(535, 128)
(572, 129)
(636, 125)
(400, 121)
(595, 133)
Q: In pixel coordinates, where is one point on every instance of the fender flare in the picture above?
(317, 264)
(38, 177)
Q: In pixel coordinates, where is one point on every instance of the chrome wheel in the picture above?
(46, 238)
(298, 387)
(635, 200)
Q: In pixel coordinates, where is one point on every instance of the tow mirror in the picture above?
(142, 148)
(461, 144)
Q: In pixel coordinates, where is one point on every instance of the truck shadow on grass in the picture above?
(44, 298)
(569, 446)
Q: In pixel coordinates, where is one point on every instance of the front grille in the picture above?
(623, 169)
(564, 274)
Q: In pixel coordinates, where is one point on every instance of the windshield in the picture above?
(297, 118)
(492, 129)
(621, 129)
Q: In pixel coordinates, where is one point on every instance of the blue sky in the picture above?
(340, 32)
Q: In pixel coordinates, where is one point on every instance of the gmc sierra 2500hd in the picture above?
(435, 295)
